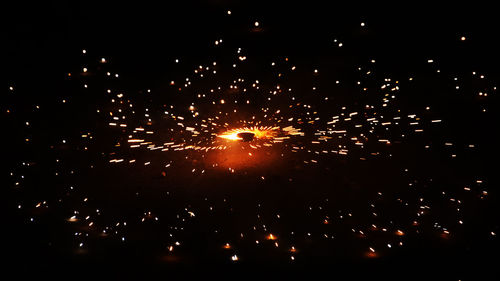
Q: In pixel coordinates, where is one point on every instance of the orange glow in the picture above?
(258, 132)
(271, 237)
(227, 246)
(371, 254)
(445, 234)
(72, 219)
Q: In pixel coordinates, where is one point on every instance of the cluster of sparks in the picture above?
(200, 136)
(259, 133)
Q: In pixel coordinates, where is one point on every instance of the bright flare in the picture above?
(258, 133)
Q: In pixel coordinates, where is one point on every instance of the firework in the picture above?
(262, 154)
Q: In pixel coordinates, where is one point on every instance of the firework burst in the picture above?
(239, 144)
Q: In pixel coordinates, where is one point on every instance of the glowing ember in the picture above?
(248, 134)
(271, 237)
